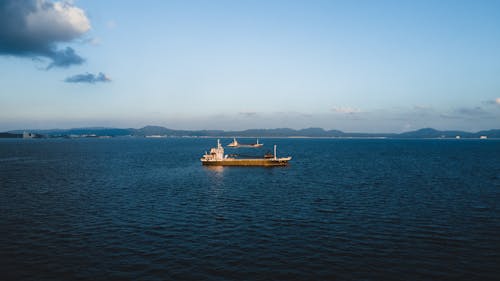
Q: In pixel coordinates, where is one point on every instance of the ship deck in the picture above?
(248, 162)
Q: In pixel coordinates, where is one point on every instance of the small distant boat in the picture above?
(216, 157)
(235, 143)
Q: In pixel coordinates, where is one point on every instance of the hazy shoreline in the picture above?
(161, 132)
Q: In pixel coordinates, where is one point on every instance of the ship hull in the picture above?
(245, 145)
(248, 162)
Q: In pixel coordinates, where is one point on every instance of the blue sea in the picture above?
(344, 209)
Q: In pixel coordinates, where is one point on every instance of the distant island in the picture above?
(158, 132)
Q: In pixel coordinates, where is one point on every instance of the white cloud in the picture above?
(35, 28)
(60, 21)
(345, 110)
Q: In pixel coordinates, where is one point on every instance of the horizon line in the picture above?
(243, 130)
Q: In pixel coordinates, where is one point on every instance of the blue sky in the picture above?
(371, 66)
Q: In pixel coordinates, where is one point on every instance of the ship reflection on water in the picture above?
(217, 170)
(215, 173)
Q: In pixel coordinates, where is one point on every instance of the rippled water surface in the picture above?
(145, 209)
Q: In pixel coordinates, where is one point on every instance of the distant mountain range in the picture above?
(279, 132)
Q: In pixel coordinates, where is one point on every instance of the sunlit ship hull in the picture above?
(247, 162)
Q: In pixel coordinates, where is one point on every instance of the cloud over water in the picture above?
(35, 28)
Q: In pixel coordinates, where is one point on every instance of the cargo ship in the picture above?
(216, 157)
(235, 143)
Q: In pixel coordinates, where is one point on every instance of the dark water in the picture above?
(145, 209)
